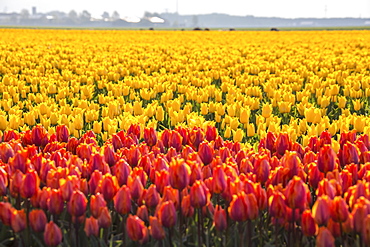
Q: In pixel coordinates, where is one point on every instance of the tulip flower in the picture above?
(309, 227)
(77, 205)
(29, 185)
(136, 228)
(55, 202)
(152, 196)
(167, 214)
(18, 220)
(325, 238)
(326, 159)
(62, 133)
(96, 202)
(186, 209)
(91, 227)
(38, 220)
(205, 152)
(339, 209)
(150, 136)
(296, 193)
(156, 229)
(108, 186)
(6, 152)
(219, 179)
(52, 234)
(104, 219)
(198, 195)
(238, 207)
(321, 210)
(179, 172)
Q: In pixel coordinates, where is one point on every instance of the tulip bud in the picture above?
(29, 185)
(320, 210)
(96, 202)
(156, 229)
(198, 195)
(77, 204)
(219, 219)
(136, 228)
(309, 227)
(91, 227)
(325, 238)
(339, 209)
(179, 172)
(326, 159)
(52, 234)
(296, 193)
(38, 220)
(55, 201)
(104, 219)
(18, 221)
(167, 214)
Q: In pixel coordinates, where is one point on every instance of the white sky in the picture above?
(265, 8)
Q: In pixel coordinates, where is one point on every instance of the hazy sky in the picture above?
(277, 8)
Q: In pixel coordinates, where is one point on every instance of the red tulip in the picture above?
(205, 152)
(321, 210)
(156, 229)
(150, 136)
(325, 238)
(366, 230)
(108, 186)
(261, 196)
(349, 154)
(77, 204)
(62, 133)
(6, 152)
(142, 213)
(29, 185)
(96, 202)
(55, 201)
(262, 168)
(282, 143)
(339, 210)
(186, 208)
(195, 137)
(167, 214)
(296, 193)
(39, 136)
(359, 212)
(38, 220)
(179, 172)
(18, 221)
(122, 200)
(6, 212)
(52, 234)
(277, 206)
(238, 210)
(326, 159)
(309, 227)
(175, 140)
(136, 228)
(94, 181)
(104, 219)
(199, 195)
(219, 179)
(211, 133)
(91, 227)
(152, 196)
(219, 219)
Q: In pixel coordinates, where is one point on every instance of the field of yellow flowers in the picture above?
(179, 138)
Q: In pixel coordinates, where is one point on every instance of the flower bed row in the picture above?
(182, 187)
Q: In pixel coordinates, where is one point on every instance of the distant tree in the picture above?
(25, 14)
(105, 15)
(85, 16)
(72, 15)
(115, 16)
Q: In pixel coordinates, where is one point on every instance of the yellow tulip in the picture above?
(3, 122)
(244, 115)
(97, 127)
(238, 135)
(357, 105)
(266, 110)
(227, 133)
(159, 115)
(251, 130)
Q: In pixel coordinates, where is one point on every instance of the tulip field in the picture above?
(182, 138)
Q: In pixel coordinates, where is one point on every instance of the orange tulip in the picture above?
(186, 208)
(150, 136)
(152, 196)
(198, 195)
(219, 219)
(55, 201)
(277, 206)
(219, 179)
(238, 207)
(325, 238)
(108, 186)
